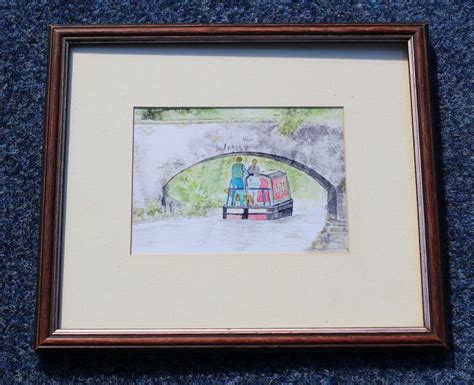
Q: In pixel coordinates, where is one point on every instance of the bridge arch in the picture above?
(323, 182)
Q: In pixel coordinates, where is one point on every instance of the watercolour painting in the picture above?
(239, 180)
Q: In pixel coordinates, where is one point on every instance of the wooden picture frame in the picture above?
(63, 38)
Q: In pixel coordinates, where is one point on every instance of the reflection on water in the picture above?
(212, 234)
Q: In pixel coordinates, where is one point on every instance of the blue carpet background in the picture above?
(23, 26)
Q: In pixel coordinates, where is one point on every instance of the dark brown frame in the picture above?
(61, 38)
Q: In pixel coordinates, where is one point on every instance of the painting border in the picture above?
(62, 38)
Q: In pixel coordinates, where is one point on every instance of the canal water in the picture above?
(212, 234)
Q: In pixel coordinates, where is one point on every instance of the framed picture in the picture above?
(239, 186)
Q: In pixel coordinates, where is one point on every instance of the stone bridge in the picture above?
(161, 151)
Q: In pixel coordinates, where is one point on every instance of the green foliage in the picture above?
(201, 187)
(290, 120)
(138, 214)
(178, 114)
(152, 210)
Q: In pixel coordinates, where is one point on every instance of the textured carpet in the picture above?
(23, 26)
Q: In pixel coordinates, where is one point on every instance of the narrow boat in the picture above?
(271, 199)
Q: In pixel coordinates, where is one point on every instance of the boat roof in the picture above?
(272, 173)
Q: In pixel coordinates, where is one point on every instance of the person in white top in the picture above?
(253, 180)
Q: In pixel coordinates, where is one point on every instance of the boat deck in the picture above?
(280, 210)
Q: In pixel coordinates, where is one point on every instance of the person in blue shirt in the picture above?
(238, 172)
